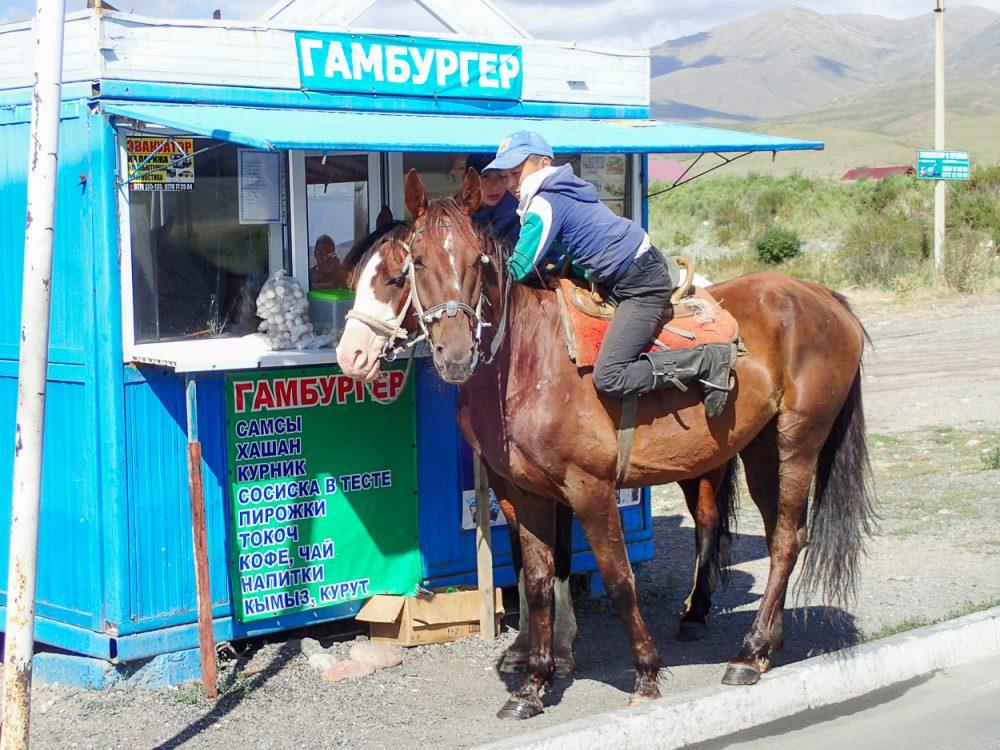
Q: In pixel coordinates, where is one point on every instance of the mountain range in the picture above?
(863, 82)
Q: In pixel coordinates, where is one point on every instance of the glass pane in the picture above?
(196, 270)
(441, 174)
(337, 206)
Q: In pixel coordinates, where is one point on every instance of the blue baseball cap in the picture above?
(517, 147)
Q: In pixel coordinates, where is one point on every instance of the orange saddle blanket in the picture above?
(697, 319)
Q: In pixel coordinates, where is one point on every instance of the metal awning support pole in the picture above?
(206, 638)
(32, 373)
(484, 553)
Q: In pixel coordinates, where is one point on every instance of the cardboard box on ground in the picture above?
(448, 615)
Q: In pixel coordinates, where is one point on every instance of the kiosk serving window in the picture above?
(610, 173)
(207, 224)
(337, 208)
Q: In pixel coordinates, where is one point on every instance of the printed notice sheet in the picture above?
(262, 187)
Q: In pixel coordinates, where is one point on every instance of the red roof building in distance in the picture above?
(666, 170)
(876, 173)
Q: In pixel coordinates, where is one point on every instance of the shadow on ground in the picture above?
(602, 650)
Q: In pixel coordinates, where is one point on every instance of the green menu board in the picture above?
(323, 489)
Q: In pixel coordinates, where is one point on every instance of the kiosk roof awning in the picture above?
(272, 129)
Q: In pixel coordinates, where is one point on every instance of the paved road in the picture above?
(957, 708)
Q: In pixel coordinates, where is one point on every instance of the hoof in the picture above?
(513, 662)
(691, 630)
(637, 699)
(741, 674)
(518, 709)
(564, 667)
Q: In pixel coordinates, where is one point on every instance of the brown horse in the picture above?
(795, 415)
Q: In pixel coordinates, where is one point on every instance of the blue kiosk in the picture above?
(197, 158)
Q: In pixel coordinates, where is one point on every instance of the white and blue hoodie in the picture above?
(558, 205)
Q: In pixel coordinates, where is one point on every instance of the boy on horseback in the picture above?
(558, 208)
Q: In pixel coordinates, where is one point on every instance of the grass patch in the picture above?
(912, 623)
(991, 460)
(189, 694)
(931, 482)
(870, 233)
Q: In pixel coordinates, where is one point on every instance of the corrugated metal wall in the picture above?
(70, 577)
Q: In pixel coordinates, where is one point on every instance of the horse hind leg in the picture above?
(779, 482)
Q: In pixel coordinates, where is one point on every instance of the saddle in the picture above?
(695, 317)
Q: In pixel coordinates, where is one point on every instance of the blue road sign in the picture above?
(942, 165)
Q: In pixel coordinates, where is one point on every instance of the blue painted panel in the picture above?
(107, 369)
(283, 98)
(160, 559)
(22, 97)
(268, 128)
(72, 302)
(69, 557)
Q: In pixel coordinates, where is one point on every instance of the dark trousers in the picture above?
(642, 294)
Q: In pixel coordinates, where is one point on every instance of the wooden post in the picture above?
(206, 638)
(484, 553)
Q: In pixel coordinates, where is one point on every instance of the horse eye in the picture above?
(418, 262)
(397, 281)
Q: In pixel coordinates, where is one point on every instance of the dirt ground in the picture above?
(933, 403)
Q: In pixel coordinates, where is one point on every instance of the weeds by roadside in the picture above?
(912, 623)
(869, 233)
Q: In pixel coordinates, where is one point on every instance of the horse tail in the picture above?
(842, 510)
(727, 504)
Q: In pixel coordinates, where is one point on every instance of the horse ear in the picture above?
(414, 195)
(471, 194)
(384, 217)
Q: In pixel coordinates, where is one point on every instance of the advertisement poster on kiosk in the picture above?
(323, 490)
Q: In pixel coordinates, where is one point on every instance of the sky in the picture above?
(617, 23)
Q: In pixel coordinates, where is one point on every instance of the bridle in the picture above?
(394, 331)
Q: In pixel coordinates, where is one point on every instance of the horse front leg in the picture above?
(599, 517)
(515, 657)
(536, 523)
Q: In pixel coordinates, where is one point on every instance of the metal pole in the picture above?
(484, 553)
(939, 186)
(32, 373)
(199, 534)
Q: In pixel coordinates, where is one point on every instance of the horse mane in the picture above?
(359, 255)
(446, 213)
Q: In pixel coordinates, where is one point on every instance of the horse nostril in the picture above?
(439, 348)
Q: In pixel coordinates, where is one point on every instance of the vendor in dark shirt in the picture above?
(498, 209)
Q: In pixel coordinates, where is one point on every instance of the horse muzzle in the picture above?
(359, 352)
(454, 367)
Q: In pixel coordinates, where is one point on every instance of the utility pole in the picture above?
(939, 187)
(32, 374)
